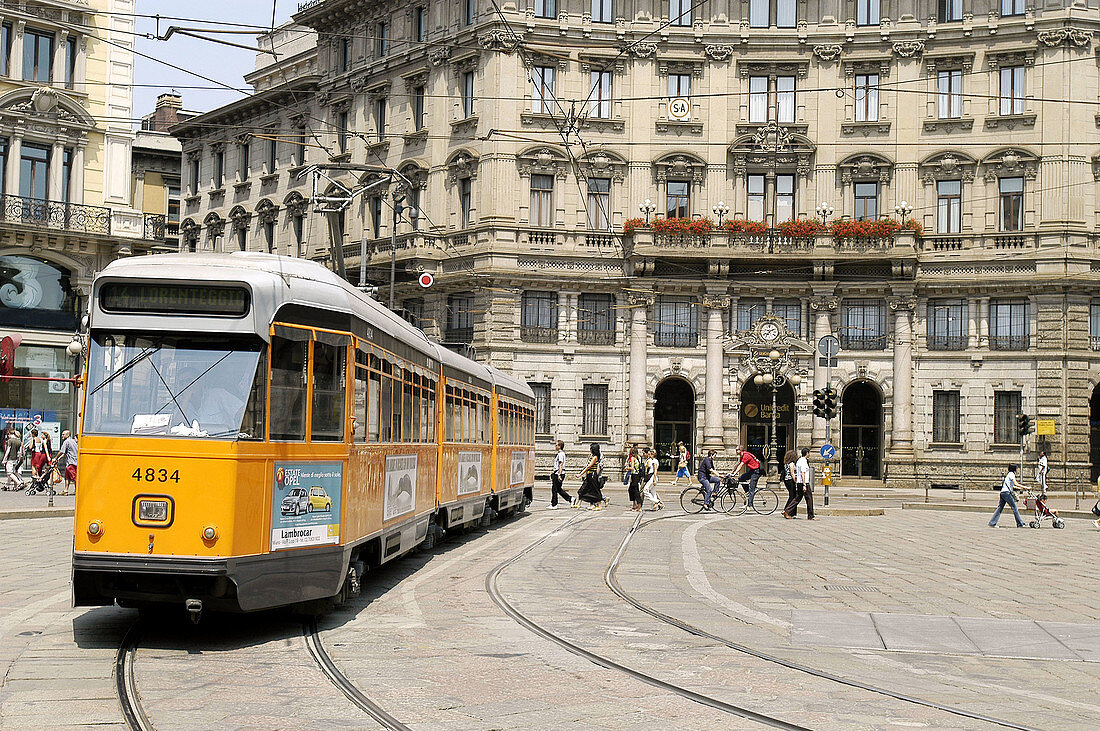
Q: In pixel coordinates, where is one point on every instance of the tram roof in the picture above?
(276, 281)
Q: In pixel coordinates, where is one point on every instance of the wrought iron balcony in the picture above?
(1009, 342)
(947, 342)
(530, 334)
(1094, 342)
(596, 337)
(863, 342)
(156, 227)
(675, 339)
(56, 215)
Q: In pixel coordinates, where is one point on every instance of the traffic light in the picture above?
(819, 402)
(831, 397)
(1023, 425)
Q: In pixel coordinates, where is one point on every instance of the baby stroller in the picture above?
(1037, 503)
(44, 483)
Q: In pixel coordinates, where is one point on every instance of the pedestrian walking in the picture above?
(67, 453)
(649, 488)
(591, 489)
(708, 478)
(557, 478)
(13, 458)
(804, 486)
(1041, 472)
(40, 451)
(1008, 486)
(789, 482)
(682, 461)
(633, 469)
(750, 465)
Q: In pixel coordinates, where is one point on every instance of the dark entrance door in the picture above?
(756, 419)
(1094, 432)
(673, 420)
(861, 431)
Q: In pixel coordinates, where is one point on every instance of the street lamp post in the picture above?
(903, 210)
(647, 208)
(770, 355)
(823, 212)
(720, 211)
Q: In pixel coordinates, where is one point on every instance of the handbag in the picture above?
(1096, 509)
(55, 476)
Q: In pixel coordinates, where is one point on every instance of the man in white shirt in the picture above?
(1008, 498)
(1041, 471)
(557, 478)
(803, 485)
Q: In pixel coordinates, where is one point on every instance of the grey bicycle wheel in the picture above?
(731, 503)
(692, 500)
(765, 501)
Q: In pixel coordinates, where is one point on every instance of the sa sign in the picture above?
(426, 279)
(679, 109)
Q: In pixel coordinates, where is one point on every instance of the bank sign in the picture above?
(763, 412)
(305, 504)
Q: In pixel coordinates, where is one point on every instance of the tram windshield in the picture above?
(176, 386)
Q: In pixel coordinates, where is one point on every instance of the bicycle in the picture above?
(726, 497)
(729, 499)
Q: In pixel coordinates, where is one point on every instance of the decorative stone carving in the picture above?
(498, 40)
(215, 225)
(296, 205)
(718, 52)
(1010, 163)
(641, 50)
(239, 218)
(907, 303)
(462, 165)
(828, 303)
(267, 212)
(864, 168)
(679, 167)
(716, 301)
(413, 81)
(746, 69)
(908, 49)
(439, 55)
(828, 52)
(544, 161)
(642, 299)
(1068, 36)
(601, 164)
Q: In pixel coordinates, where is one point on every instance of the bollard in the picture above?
(962, 483)
(826, 495)
(1077, 494)
(927, 482)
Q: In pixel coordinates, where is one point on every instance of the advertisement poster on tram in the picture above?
(519, 468)
(400, 495)
(469, 473)
(305, 504)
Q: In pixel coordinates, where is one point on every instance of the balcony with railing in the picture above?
(676, 339)
(863, 342)
(947, 342)
(595, 337)
(55, 215)
(529, 334)
(996, 241)
(1094, 342)
(721, 243)
(1009, 342)
(156, 227)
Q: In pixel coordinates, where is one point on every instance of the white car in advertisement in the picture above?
(296, 502)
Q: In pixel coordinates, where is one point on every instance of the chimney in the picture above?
(167, 110)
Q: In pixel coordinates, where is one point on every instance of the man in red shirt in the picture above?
(750, 465)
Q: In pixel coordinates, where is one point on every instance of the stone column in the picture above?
(53, 182)
(713, 401)
(11, 174)
(823, 305)
(901, 442)
(76, 182)
(640, 302)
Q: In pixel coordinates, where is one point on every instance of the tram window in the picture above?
(431, 415)
(288, 388)
(386, 409)
(359, 412)
(329, 379)
(407, 414)
(374, 406)
(252, 426)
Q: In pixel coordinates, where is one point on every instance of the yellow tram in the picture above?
(256, 433)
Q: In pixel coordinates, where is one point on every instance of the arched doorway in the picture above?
(861, 431)
(756, 419)
(673, 419)
(1094, 432)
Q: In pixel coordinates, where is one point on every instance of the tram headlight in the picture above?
(210, 533)
(95, 528)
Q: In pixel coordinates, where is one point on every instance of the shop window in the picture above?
(36, 294)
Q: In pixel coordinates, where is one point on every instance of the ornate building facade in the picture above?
(66, 75)
(528, 137)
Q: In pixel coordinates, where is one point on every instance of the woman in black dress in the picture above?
(591, 491)
(793, 498)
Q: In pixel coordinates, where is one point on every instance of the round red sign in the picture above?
(426, 279)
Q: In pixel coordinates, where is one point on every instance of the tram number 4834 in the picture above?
(149, 474)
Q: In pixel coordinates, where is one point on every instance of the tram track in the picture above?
(613, 584)
(136, 718)
(492, 587)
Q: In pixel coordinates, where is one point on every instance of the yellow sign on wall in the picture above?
(1044, 427)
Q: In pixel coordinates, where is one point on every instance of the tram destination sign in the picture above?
(174, 299)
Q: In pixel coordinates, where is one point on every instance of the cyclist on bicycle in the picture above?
(750, 465)
(708, 478)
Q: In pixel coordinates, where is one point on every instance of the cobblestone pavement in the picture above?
(934, 605)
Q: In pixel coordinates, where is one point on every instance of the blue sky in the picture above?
(215, 61)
